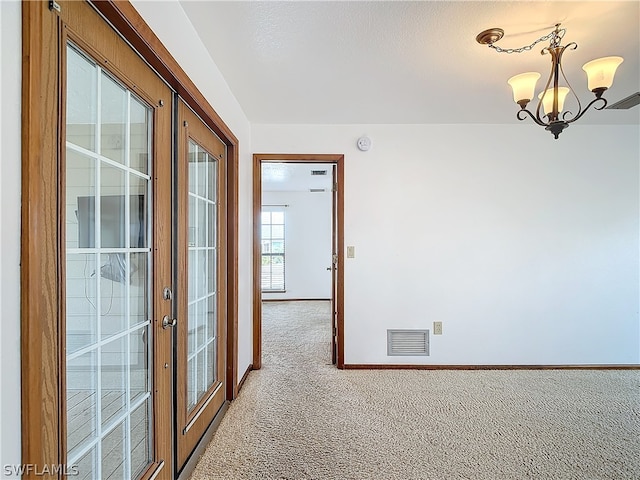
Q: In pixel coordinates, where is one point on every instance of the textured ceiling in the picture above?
(333, 62)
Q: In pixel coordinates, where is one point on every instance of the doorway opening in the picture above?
(301, 198)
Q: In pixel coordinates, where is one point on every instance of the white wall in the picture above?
(308, 243)
(525, 247)
(170, 23)
(10, 177)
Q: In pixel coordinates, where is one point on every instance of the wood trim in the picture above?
(258, 159)
(257, 287)
(39, 297)
(244, 377)
(377, 366)
(233, 171)
(341, 257)
(128, 22)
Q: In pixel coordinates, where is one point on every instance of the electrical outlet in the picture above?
(351, 252)
(437, 328)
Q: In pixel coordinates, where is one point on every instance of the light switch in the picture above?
(351, 252)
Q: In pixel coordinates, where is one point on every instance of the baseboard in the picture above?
(296, 299)
(377, 366)
(244, 377)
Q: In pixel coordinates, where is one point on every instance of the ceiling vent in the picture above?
(317, 190)
(318, 172)
(626, 103)
(407, 342)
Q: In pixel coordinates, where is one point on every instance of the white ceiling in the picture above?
(396, 62)
(295, 177)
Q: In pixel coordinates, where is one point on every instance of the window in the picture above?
(273, 251)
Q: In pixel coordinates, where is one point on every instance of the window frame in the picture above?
(271, 254)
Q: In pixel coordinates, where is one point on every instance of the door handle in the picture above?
(168, 322)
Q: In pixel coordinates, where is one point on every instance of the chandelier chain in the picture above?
(554, 37)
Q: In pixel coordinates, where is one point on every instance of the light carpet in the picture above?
(301, 418)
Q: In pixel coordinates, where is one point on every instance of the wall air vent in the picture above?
(317, 190)
(318, 172)
(407, 342)
(626, 103)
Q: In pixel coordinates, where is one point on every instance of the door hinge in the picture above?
(53, 5)
(335, 187)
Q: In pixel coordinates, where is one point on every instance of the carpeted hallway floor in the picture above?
(300, 418)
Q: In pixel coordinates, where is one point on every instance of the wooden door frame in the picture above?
(258, 160)
(41, 352)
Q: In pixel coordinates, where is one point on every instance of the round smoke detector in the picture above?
(364, 143)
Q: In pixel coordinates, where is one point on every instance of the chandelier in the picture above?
(551, 100)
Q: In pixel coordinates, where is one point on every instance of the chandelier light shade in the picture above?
(524, 87)
(547, 98)
(549, 110)
(600, 72)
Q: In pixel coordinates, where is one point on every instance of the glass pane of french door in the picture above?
(203, 267)
(108, 273)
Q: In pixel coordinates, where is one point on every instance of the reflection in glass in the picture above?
(112, 207)
(80, 182)
(113, 369)
(82, 398)
(139, 135)
(81, 106)
(138, 285)
(202, 159)
(113, 119)
(202, 264)
(86, 465)
(211, 172)
(113, 292)
(140, 448)
(211, 220)
(191, 383)
(81, 301)
(139, 363)
(138, 206)
(211, 362)
(113, 453)
(107, 283)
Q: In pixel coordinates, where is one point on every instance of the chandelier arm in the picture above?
(533, 117)
(572, 46)
(591, 103)
(539, 118)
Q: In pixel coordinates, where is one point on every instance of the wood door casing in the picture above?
(191, 424)
(338, 160)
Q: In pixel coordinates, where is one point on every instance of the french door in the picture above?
(124, 279)
(115, 206)
(202, 269)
